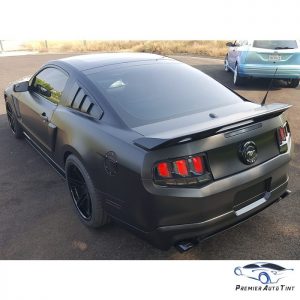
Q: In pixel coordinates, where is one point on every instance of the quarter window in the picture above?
(50, 83)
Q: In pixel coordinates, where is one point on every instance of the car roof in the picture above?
(90, 61)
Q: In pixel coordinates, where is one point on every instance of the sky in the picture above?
(163, 19)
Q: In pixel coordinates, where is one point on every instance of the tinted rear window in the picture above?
(275, 44)
(149, 93)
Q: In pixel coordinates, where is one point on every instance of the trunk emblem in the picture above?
(248, 153)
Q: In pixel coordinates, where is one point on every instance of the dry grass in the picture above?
(207, 48)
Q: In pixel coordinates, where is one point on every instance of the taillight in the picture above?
(181, 168)
(163, 170)
(283, 133)
(186, 171)
(198, 164)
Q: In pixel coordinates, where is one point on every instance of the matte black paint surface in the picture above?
(163, 214)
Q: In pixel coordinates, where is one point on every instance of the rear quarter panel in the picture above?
(91, 140)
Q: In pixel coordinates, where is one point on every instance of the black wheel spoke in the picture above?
(82, 199)
(11, 120)
(76, 182)
(79, 192)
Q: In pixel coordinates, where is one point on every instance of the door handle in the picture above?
(44, 117)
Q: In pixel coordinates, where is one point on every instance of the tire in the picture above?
(264, 278)
(86, 198)
(226, 68)
(293, 83)
(13, 122)
(237, 79)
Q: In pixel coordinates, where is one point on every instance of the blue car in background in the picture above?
(260, 59)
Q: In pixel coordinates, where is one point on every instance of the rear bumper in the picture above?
(165, 236)
(199, 213)
(267, 71)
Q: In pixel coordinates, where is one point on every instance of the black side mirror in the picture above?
(229, 44)
(21, 86)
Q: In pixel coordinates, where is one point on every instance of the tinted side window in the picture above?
(251, 266)
(50, 83)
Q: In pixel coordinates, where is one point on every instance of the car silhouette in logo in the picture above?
(266, 273)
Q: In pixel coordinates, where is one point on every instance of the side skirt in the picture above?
(49, 160)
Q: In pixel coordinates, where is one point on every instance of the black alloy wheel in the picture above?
(88, 199)
(14, 125)
(11, 119)
(79, 192)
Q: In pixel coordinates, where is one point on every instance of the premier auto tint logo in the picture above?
(268, 276)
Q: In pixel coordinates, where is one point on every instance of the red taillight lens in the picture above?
(198, 165)
(163, 170)
(282, 134)
(181, 167)
(186, 171)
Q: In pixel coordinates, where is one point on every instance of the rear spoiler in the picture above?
(216, 126)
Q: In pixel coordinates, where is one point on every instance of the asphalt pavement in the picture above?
(37, 218)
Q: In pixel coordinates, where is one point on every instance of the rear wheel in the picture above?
(226, 68)
(293, 83)
(86, 198)
(237, 79)
(13, 122)
(264, 278)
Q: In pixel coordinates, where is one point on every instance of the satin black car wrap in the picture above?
(170, 175)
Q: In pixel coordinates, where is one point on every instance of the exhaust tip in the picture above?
(285, 194)
(186, 245)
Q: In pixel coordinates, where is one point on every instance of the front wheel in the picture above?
(86, 198)
(293, 83)
(237, 79)
(13, 122)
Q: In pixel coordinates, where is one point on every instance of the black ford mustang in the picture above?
(153, 143)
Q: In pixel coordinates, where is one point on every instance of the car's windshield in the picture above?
(153, 92)
(275, 44)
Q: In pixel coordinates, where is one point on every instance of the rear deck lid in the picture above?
(214, 119)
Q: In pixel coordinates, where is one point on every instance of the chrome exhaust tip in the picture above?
(285, 194)
(186, 245)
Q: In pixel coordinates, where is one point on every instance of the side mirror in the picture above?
(229, 44)
(21, 86)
